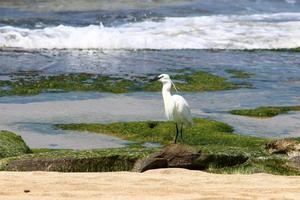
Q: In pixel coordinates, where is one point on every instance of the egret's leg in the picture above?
(176, 133)
(181, 130)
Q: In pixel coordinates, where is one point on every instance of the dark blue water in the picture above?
(31, 14)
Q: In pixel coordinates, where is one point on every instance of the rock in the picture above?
(180, 156)
(296, 162)
(288, 147)
(72, 164)
(12, 145)
(220, 160)
(150, 163)
(284, 146)
(174, 155)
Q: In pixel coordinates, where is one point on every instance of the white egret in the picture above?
(176, 107)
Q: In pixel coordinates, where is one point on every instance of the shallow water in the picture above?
(39, 135)
(33, 117)
(127, 38)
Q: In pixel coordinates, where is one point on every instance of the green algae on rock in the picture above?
(271, 165)
(33, 84)
(213, 135)
(238, 73)
(102, 160)
(196, 81)
(12, 145)
(216, 139)
(266, 111)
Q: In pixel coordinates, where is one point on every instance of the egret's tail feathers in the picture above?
(190, 124)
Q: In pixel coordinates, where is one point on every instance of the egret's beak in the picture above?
(154, 79)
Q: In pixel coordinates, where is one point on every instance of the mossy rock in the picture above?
(265, 111)
(207, 134)
(182, 156)
(273, 165)
(196, 81)
(69, 164)
(12, 145)
(220, 160)
(235, 73)
(189, 81)
(104, 160)
(222, 150)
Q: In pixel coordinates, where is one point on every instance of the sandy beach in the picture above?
(80, 112)
(155, 184)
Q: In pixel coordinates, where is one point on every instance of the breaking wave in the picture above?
(259, 31)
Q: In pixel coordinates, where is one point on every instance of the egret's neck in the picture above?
(166, 90)
(168, 102)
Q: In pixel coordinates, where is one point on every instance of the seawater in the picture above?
(128, 38)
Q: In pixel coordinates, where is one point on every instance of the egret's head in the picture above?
(162, 78)
(166, 80)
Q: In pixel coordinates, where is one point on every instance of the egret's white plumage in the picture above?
(176, 107)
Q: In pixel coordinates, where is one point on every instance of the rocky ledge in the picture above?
(180, 156)
(288, 147)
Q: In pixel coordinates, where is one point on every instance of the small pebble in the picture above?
(26, 191)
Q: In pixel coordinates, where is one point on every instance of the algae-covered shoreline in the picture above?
(186, 80)
(209, 136)
(265, 111)
(215, 139)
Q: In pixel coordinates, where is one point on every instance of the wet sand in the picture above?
(156, 184)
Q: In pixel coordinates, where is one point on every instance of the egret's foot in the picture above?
(177, 131)
(181, 135)
(176, 138)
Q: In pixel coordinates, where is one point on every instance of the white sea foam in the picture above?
(258, 31)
